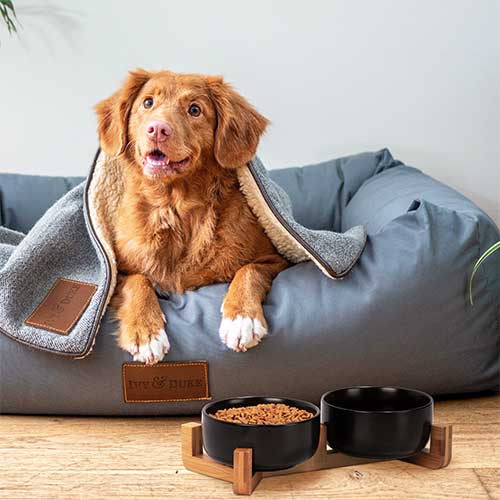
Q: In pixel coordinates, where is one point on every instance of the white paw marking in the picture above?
(241, 333)
(133, 349)
(153, 351)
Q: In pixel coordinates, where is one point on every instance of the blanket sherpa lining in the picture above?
(74, 240)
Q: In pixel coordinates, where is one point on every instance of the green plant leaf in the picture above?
(491, 250)
(7, 10)
(8, 3)
(5, 15)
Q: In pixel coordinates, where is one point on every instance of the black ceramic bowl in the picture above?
(377, 422)
(275, 447)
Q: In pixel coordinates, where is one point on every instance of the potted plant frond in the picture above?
(481, 259)
(9, 15)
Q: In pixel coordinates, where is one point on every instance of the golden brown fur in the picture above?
(191, 226)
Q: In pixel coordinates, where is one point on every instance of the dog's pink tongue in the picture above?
(156, 159)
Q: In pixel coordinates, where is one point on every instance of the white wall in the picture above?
(335, 77)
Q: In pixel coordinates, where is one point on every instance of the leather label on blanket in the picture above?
(176, 381)
(63, 306)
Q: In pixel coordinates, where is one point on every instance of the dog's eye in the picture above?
(194, 110)
(148, 102)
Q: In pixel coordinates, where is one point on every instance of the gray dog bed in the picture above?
(400, 317)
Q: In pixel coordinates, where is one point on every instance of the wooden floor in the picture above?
(88, 458)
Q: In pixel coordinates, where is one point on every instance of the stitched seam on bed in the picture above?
(101, 310)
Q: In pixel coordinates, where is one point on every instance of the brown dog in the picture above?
(183, 222)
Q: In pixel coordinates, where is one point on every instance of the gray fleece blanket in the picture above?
(57, 280)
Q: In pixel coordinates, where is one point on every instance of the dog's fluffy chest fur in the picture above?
(187, 236)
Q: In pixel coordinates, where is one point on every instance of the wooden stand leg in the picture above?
(245, 481)
(194, 459)
(439, 453)
(191, 440)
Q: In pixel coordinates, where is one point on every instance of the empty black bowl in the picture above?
(274, 447)
(377, 422)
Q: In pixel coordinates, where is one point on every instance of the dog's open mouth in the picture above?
(157, 163)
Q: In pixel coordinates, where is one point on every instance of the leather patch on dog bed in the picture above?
(163, 382)
(63, 306)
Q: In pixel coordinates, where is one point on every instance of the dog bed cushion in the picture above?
(400, 317)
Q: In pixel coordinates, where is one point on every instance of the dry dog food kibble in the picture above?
(266, 413)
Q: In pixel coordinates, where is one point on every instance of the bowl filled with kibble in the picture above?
(281, 432)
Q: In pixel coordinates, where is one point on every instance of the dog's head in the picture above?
(171, 124)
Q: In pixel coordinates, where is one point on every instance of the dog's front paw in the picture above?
(242, 332)
(145, 339)
(153, 350)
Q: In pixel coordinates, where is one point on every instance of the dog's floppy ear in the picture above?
(239, 125)
(113, 113)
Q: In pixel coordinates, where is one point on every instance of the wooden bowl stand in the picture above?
(245, 480)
